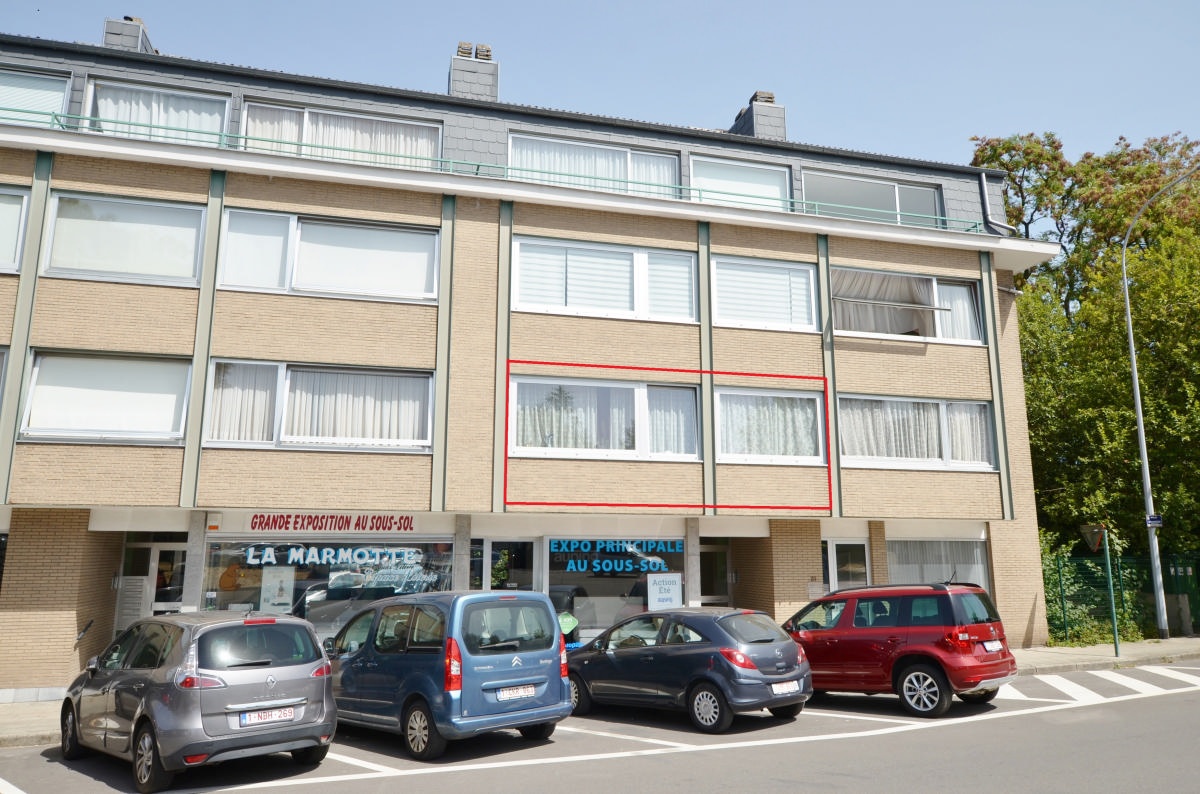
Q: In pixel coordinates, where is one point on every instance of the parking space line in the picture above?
(867, 717)
(1126, 681)
(610, 735)
(345, 759)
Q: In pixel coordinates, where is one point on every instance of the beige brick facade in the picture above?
(73, 475)
(103, 316)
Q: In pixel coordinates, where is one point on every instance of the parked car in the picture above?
(712, 662)
(185, 690)
(924, 642)
(448, 665)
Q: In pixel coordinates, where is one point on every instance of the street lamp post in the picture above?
(1153, 521)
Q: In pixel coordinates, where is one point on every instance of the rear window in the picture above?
(752, 627)
(256, 645)
(506, 626)
(974, 608)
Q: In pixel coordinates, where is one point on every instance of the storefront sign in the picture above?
(330, 522)
(612, 556)
(664, 591)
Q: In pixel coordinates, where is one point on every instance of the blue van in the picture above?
(449, 665)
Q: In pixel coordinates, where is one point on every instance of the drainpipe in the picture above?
(987, 208)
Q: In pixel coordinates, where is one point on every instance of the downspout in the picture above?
(987, 208)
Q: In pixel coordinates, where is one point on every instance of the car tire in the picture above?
(148, 773)
(924, 691)
(787, 712)
(310, 756)
(986, 696)
(581, 701)
(539, 732)
(71, 748)
(421, 738)
(708, 710)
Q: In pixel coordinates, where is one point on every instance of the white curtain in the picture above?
(273, 129)
(962, 321)
(672, 419)
(861, 314)
(573, 416)
(126, 237)
(889, 429)
(157, 115)
(654, 174)
(370, 140)
(356, 408)
(917, 561)
(765, 424)
(970, 429)
(243, 402)
(561, 163)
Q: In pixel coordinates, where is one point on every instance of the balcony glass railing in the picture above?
(291, 148)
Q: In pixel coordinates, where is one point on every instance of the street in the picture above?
(1129, 730)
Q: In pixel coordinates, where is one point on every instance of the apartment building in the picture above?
(288, 343)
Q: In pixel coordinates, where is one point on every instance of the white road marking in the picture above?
(1171, 672)
(1080, 694)
(1127, 681)
(610, 735)
(9, 788)
(1010, 692)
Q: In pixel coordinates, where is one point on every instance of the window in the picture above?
(589, 165)
(157, 114)
(120, 239)
(903, 433)
(270, 251)
(341, 136)
(761, 294)
(605, 281)
(938, 561)
(28, 98)
(768, 427)
(740, 184)
(101, 397)
(871, 200)
(885, 303)
(269, 405)
(594, 419)
(12, 228)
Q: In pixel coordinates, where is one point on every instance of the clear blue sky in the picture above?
(911, 79)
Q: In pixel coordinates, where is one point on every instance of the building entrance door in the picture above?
(151, 581)
(845, 563)
(715, 575)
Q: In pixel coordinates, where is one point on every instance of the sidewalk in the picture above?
(36, 722)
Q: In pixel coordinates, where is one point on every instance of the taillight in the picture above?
(198, 681)
(324, 671)
(257, 621)
(738, 659)
(562, 656)
(453, 666)
(958, 640)
(799, 652)
(195, 759)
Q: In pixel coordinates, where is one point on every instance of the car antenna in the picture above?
(953, 575)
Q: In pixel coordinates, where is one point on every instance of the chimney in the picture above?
(474, 77)
(128, 33)
(762, 119)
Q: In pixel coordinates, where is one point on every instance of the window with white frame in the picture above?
(107, 398)
(589, 165)
(757, 426)
(157, 114)
(278, 252)
(341, 136)
(764, 294)
(603, 419)
(938, 561)
(12, 228)
(871, 200)
(737, 184)
(276, 404)
(609, 281)
(124, 239)
(871, 302)
(30, 98)
(909, 433)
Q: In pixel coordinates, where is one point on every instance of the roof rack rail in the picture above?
(931, 585)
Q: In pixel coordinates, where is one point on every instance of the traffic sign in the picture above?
(1154, 521)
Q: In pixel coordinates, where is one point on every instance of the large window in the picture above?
(273, 404)
(341, 136)
(871, 200)
(904, 433)
(28, 98)
(557, 162)
(761, 294)
(740, 184)
(12, 227)
(768, 427)
(604, 280)
(870, 302)
(103, 397)
(270, 251)
(122, 239)
(595, 419)
(938, 561)
(157, 114)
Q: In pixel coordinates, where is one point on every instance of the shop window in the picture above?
(769, 427)
(938, 561)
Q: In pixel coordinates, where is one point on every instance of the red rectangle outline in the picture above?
(683, 506)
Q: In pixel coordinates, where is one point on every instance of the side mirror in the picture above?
(787, 626)
(327, 646)
(92, 665)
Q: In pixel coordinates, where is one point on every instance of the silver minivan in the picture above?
(185, 690)
(449, 665)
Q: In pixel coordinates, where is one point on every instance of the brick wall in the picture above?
(99, 315)
(877, 547)
(75, 474)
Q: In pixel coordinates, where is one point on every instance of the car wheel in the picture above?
(985, 696)
(421, 738)
(708, 709)
(310, 756)
(71, 749)
(787, 712)
(581, 701)
(924, 691)
(538, 732)
(148, 772)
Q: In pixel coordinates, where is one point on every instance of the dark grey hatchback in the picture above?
(712, 662)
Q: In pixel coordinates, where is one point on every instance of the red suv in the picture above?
(925, 642)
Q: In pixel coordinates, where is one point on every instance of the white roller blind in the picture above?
(737, 184)
(764, 294)
(365, 260)
(254, 251)
(672, 285)
(30, 98)
(110, 396)
(600, 279)
(11, 209)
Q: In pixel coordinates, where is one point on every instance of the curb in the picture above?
(1116, 663)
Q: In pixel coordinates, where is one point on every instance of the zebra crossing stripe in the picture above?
(1010, 692)
(1170, 672)
(1075, 691)
(1135, 684)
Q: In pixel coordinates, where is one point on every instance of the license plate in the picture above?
(247, 718)
(785, 688)
(515, 692)
(991, 646)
